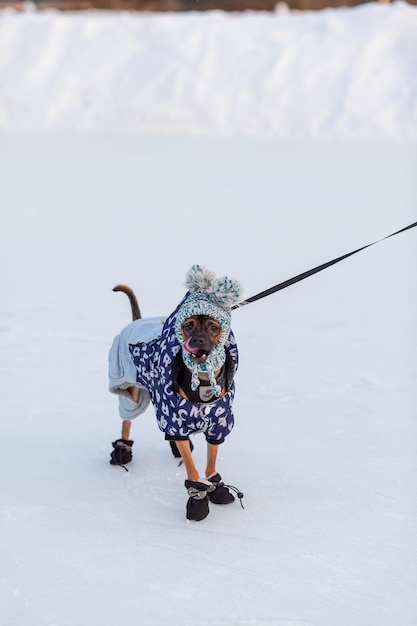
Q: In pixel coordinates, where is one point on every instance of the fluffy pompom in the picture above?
(226, 292)
(199, 279)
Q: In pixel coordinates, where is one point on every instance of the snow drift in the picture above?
(335, 74)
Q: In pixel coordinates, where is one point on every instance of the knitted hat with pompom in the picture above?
(213, 297)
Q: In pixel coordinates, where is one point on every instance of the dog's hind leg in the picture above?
(126, 424)
(122, 448)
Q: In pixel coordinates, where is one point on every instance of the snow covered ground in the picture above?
(324, 446)
(336, 74)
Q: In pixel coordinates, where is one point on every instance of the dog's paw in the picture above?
(122, 452)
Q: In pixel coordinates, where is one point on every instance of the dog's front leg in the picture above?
(187, 457)
(211, 459)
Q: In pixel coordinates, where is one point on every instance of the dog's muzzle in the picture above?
(198, 355)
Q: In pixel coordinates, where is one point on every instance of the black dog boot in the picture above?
(220, 493)
(122, 452)
(198, 504)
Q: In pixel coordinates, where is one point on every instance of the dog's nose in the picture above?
(197, 341)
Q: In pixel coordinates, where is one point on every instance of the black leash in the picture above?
(314, 270)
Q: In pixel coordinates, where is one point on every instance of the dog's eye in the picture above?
(214, 329)
(188, 327)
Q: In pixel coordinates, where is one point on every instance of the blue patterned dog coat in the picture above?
(153, 359)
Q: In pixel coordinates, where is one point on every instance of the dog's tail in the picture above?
(132, 299)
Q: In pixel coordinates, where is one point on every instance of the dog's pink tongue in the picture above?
(189, 348)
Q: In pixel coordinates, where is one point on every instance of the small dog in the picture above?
(185, 366)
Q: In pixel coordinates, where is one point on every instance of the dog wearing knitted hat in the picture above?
(185, 366)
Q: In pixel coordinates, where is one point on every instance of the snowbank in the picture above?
(345, 74)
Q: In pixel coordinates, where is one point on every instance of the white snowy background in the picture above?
(259, 145)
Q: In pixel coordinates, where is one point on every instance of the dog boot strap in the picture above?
(216, 479)
(198, 489)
